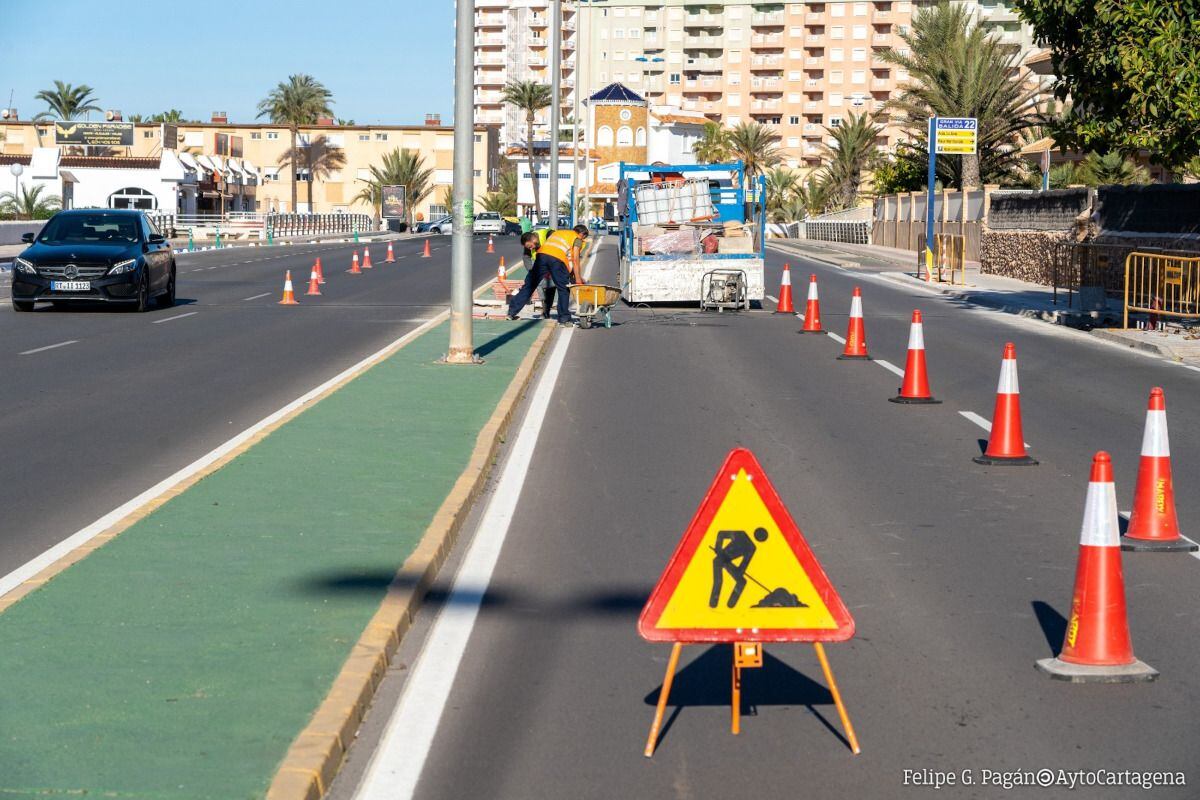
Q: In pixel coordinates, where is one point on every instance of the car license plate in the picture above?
(71, 286)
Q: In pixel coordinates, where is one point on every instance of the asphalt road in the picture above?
(100, 404)
(959, 576)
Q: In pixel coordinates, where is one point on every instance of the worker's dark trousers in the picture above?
(543, 265)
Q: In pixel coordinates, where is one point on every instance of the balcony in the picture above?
(488, 98)
(539, 41)
(766, 84)
(775, 39)
(766, 105)
(703, 64)
(814, 61)
(767, 61)
(881, 83)
(881, 39)
(490, 59)
(490, 77)
(812, 127)
(702, 83)
(770, 18)
(489, 20)
(812, 83)
(703, 40)
(489, 41)
(812, 105)
(705, 19)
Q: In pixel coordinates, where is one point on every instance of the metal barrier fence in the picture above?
(1162, 285)
(314, 224)
(949, 256)
(845, 231)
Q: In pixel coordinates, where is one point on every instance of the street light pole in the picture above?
(462, 349)
(555, 103)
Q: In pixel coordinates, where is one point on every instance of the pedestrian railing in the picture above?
(1162, 285)
(316, 224)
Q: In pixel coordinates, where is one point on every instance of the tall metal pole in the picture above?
(930, 201)
(555, 103)
(462, 350)
(575, 116)
(584, 84)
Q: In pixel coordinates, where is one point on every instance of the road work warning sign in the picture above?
(743, 572)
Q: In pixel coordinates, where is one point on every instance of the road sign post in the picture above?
(956, 136)
(930, 203)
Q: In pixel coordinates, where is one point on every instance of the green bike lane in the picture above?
(182, 658)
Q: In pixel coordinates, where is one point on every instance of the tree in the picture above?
(298, 101)
(402, 167)
(29, 203)
(345, 122)
(1130, 70)
(531, 97)
(959, 70)
(782, 188)
(319, 159)
(847, 158)
(66, 101)
(900, 172)
(1112, 168)
(713, 145)
(756, 146)
(448, 198)
(504, 199)
(815, 195)
(173, 115)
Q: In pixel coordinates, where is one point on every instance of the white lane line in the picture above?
(48, 347)
(978, 420)
(835, 337)
(177, 316)
(397, 763)
(255, 297)
(773, 299)
(1194, 369)
(890, 367)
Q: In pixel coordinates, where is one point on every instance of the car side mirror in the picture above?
(27, 238)
(157, 238)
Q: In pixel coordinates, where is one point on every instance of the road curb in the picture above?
(795, 250)
(316, 754)
(1149, 347)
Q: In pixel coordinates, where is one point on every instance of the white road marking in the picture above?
(48, 347)
(890, 367)
(978, 420)
(177, 316)
(835, 337)
(397, 763)
(1194, 369)
(257, 296)
(773, 299)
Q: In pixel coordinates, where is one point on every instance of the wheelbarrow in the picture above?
(592, 300)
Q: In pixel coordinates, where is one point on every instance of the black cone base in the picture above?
(1014, 461)
(822, 333)
(1179, 545)
(845, 357)
(914, 401)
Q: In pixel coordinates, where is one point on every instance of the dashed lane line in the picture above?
(890, 367)
(48, 347)
(256, 297)
(978, 420)
(177, 316)
(835, 337)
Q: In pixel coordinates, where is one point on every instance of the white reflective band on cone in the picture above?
(1154, 439)
(812, 291)
(1008, 377)
(787, 278)
(1100, 517)
(855, 306)
(916, 337)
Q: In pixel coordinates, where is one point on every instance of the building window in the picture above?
(635, 33)
(132, 197)
(835, 99)
(835, 122)
(639, 138)
(837, 54)
(796, 121)
(794, 141)
(860, 9)
(835, 76)
(272, 134)
(604, 136)
(837, 10)
(437, 211)
(859, 54)
(837, 32)
(149, 134)
(364, 137)
(858, 76)
(618, 33)
(735, 57)
(673, 79)
(479, 173)
(479, 138)
(860, 31)
(255, 135)
(625, 136)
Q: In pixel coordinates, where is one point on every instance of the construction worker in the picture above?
(558, 257)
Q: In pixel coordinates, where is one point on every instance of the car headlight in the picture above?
(123, 266)
(25, 266)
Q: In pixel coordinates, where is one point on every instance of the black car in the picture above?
(105, 255)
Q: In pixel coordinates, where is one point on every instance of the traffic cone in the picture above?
(289, 297)
(366, 262)
(916, 379)
(354, 270)
(1006, 445)
(320, 272)
(314, 283)
(1097, 647)
(785, 293)
(425, 254)
(1154, 525)
(491, 244)
(501, 271)
(812, 309)
(391, 256)
(856, 333)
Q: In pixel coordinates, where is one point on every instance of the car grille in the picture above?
(86, 271)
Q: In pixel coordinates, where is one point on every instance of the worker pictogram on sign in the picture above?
(743, 572)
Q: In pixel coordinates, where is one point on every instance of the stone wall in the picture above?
(1027, 255)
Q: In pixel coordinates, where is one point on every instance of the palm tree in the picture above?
(318, 157)
(448, 198)
(713, 145)
(299, 100)
(504, 199)
(174, 115)
(959, 70)
(1111, 168)
(847, 158)
(402, 167)
(345, 122)
(756, 146)
(66, 101)
(816, 194)
(531, 97)
(28, 203)
(782, 188)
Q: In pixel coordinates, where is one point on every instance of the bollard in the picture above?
(218, 237)
(191, 242)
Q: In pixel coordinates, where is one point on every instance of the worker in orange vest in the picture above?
(558, 257)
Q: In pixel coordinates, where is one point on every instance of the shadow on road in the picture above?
(498, 341)
(1054, 624)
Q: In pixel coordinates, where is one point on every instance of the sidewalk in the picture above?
(182, 658)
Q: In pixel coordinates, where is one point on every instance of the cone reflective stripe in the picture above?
(856, 333)
(391, 256)
(314, 283)
(289, 296)
(1097, 646)
(785, 293)
(1154, 523)
(915, 389)
(812, 309)
(491, 244)
(320, 272)
(501, 270)
(425, 253)
(1006, 444)
(354, 270)
(366, 262)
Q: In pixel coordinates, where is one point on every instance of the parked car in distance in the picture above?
(98, 255)
(512, 226)
(443, 225)
(488, 222)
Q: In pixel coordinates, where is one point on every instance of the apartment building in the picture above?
(796, 66)
(512, 42)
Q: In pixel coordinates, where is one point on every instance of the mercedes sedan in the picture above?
(104, 255)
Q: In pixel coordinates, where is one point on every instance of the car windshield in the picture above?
(98, 228)
(487, 215)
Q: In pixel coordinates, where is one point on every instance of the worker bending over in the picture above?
(560, 258)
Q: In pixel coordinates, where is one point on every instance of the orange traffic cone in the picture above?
(1006, 445)
(812, 309)
(320, 272)
(1154, 525)
(366, 262)
(916, 380)
(501, 270)
(289, 297)
(425, 254)
(491, 244)
(785, 293)
(354, 270)
(1097, 647)
(391, 256)
(314, 283)
(856, 332)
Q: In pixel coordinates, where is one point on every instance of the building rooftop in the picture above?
(616, 93)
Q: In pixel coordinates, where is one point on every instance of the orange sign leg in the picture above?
(668, 679)
(735, 725)
(837, 698)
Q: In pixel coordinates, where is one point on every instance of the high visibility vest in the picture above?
(559, 244)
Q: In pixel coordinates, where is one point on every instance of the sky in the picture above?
(386, 61)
